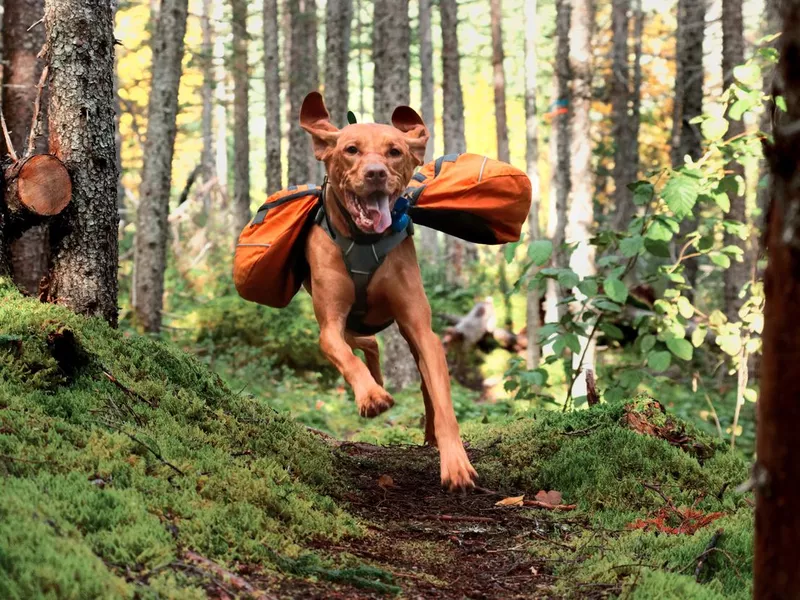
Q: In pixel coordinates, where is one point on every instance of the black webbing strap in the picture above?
(261, 213)
(441, 160)
(362, 261)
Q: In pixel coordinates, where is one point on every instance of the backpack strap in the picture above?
(362, 261)
(261, 213)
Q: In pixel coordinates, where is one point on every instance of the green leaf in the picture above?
(780, 102)
(730, 344)
(680, 193)
(631, 246)
(659, 231)
(721, 260)
(615, 289)
(606, 305)
(573, 343)
(723, 201)
(714, 128)
(698, 336)
(642, 192)
(612, 331)
(685, 308)
(657, 248)
(588, 287)
(749, 74)
(540, 251)
(648, 343)
(659, 361)
(509, 250)
(568, 279)
(680, 348)
(750, 395)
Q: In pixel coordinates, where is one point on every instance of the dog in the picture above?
(368, 168)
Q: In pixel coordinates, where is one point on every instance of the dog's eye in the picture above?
(395, 152)
(351, 150)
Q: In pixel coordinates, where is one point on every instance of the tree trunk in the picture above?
(457, 252)
(338, 17)
(303, 78)
(207, 99)
(561, 135)
(221, 107)
(533, 301)
(22, 70)
(272, 83)
(241, 117)
(80, 39)
(390, 55)
(430, 237)
(151, 226)
(740, 272)
(619, 89)
(777, 473)
(580, 220)
(686, 137)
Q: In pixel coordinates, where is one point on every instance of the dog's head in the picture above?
(368, 165)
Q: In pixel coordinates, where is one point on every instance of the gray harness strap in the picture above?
(362, 261)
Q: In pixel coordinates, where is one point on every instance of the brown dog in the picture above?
(369, 167)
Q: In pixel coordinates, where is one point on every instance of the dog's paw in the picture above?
(458, 475)
(373, 402)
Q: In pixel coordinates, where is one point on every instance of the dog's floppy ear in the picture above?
(409, 122)
(316, 120)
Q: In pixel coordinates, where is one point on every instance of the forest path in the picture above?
(427, 543)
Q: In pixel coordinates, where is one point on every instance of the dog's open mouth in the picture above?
(372, 212)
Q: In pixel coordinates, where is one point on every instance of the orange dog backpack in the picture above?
(471, 197)
(270, 264)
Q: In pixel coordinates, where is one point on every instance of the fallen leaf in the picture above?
(385, 481)
(552, 497)
(512, 501)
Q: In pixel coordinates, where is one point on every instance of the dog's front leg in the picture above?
(456, 471)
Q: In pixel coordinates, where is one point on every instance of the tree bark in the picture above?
(620, 90)
(561, 134)
(207, 99)
(338, 17)
(776, 474)
(580, 220)
(688, 103)
(151, 229)
(241, 117)
(430, 237)
(390, 55)
(740, 272)
(458, 253)
(272, 83)
(22, 69)
(303, 77)
(80, 39)
(533, 298)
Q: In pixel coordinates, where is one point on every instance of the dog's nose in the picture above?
(375, 173)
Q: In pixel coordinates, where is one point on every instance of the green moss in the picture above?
(119, 451)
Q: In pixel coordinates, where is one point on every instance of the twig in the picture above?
(7, 137)
(239, 583)
(24, 460)
(36, 106)
(580, 432)
(741, 386)
(155, 453)
(664, 497)
(451, 518)
(701, 561)
(40, 21)
(128, 391)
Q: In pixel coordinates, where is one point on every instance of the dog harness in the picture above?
(363, 255)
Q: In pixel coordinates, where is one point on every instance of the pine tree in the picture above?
(272, 92)
(241, 117)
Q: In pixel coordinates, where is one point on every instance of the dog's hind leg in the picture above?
(430, 430)
(369, 346)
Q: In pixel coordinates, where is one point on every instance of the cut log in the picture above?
(37, 186)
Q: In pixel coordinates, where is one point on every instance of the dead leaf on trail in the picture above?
(552, 497)
(385, 481)
(512, 501)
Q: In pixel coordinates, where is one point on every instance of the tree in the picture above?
(390, 55)
(501, 126)
(303, 76)
(338, 17)
(430, 237)
(532, 318)
(688, 103)
(580, 218)
(776, 475)
(455, 142)
(207, 98)
(771, 26)
(21, 44)
(740, 272)
(151, 224)
(241, 116)
(80, 110)
(272, 83)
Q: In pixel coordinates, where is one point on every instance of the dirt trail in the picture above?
(435, 545)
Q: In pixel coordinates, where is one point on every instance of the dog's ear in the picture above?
(316, 120)
(411, 124)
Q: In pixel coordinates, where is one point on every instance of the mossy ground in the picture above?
(122, 457)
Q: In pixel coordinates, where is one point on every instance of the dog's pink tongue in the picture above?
(378, 213)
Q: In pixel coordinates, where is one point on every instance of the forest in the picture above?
(618, 368)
